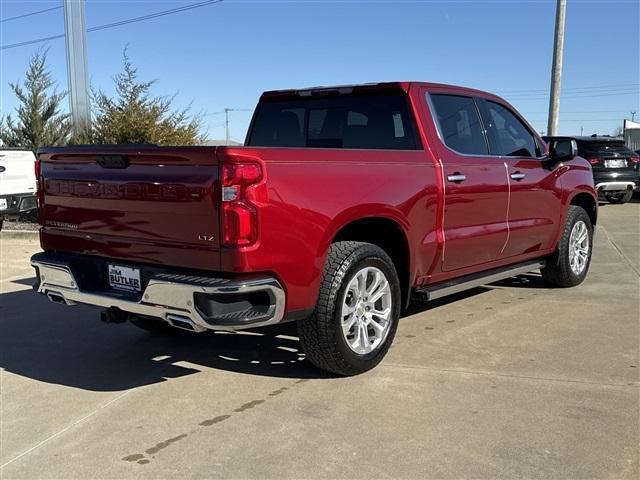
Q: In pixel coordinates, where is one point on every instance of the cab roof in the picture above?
(366, 87)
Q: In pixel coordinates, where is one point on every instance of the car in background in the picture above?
(17, 184)
(616, 168)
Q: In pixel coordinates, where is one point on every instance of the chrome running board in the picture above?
(442, 289)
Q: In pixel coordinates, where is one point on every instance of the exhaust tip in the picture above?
(183, 323)
(56, 298)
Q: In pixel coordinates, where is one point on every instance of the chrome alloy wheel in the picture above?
(366, 310)
(579, 247)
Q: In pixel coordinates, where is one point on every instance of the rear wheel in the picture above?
(619, 197)
(357, 313)
(569, 265)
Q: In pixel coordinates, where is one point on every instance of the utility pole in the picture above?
(226, 124)
(75, 41)
(633, 116)
(556, 69)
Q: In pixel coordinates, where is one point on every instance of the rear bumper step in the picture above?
(188, 302)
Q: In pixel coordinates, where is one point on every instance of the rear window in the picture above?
(604, 149)
(368, 122)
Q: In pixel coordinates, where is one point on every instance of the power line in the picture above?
(221, 112)
(30, 14)
(579, 120)
(575, 111)
(117, 24)
(593, 87)
(541, 96)
(582, 92)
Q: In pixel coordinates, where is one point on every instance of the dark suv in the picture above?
(616, 168)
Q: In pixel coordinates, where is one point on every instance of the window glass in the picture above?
(344, 121)
(279, 127)
(603, 149)
(459, 124)
(507, 134)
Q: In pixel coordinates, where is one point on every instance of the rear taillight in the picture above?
(594, 161)
(635, 160)
(241, 180)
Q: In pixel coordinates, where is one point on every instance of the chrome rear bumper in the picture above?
(169, 297)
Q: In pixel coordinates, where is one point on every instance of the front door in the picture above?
(535, 203)
(476, 190)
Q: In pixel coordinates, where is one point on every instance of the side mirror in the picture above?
(563, 149)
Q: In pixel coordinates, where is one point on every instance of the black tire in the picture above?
(321, 334)
(153, 325)
(558, 270)
(619, 198)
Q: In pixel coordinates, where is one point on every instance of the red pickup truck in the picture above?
(344, 204)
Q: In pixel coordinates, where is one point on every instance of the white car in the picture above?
(17, 183)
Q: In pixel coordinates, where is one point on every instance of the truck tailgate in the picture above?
(155, 205)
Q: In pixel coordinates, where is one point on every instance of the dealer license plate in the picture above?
(124, 278)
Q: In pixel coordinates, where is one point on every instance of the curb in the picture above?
(20, 235)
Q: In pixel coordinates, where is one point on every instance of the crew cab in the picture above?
(343, 205)
(17, 183)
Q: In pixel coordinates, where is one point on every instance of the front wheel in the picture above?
(619, 197)
(569, 264)
(357, 312)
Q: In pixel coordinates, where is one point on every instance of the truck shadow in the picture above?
(70, 346)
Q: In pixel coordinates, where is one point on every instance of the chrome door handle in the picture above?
(517, 176)
(456, 177)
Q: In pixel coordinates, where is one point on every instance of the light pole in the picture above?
(226, 125)
(75, 41)
(556, 69)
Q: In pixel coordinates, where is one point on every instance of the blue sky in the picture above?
(225, 55)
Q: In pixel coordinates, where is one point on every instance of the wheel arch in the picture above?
(388, 234)
(587, 202)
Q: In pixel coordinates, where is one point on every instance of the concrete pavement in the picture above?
(513, 381)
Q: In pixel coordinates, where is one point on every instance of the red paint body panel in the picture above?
(151, 212)
(311, 195)
(535, 207)
(164, 208)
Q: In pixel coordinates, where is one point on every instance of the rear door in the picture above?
(475, 184)
(142, 204)
(534, 204)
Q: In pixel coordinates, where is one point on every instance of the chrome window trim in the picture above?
(434, 117)
(524, 123)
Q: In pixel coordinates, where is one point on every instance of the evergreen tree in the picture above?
(135, 116)
(39, 120)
